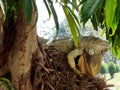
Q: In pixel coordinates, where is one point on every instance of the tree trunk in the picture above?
(21, 45)
(20, 56)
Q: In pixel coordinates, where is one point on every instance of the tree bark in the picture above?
(20, 56)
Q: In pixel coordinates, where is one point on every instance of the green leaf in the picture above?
(103, 31)
(118, 56)
(12, 88)
(11, 3)
(35, 6)
(48, 8)
(56, 0)
(118, 10)
(5, 80)
(27, 7)
(100, 17)
(75, 18)
(54, 14)
(110, 7)
(74, 5)
(115, 20)
(6, 85)
(71, 25)
(89, 8)
(94, 21)
(73, 14)
(3, 6)
(81, 2)
(114, 26)
(65, 1)
(19, 6)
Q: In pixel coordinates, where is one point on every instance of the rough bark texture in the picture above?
(17, 53)
(19, 61)
(1, 33)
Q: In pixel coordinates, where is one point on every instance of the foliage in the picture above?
(117, 68)
(111, 69)
(103, 69)
(5, 82)
(51, 10)
(89, 8)
(102, 13)
(11, 8)
(72, 24)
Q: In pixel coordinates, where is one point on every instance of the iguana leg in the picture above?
(71, 56)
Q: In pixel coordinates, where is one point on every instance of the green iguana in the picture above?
(90, 49)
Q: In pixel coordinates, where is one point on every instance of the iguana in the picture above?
(90, 49)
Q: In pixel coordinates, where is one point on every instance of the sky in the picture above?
(46, 28)
(44, 25)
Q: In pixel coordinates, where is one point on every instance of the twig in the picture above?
(46, 69)
(52, 88)
(57, 76)
(42, 86)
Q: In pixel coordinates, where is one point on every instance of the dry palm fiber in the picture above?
(57, 75)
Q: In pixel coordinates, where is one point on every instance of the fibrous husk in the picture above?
(57, 75)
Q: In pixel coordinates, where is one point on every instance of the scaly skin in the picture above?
(91, 50)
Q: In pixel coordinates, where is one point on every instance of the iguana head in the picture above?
(93, 50)
(93, 45)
